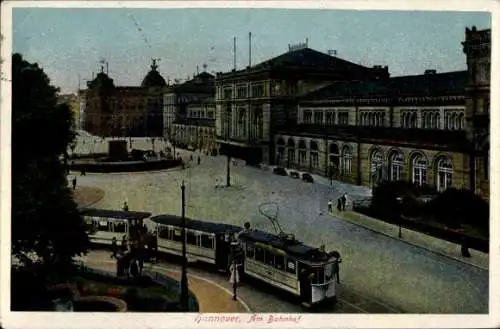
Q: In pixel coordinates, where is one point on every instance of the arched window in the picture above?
(419, 169)
(314, 154)
(280, 148)
(377, 164)
(302, 152)
(334, 158)
(458, 122)
(444, 174)
(346, 160)
(425, 125)
(291, 152)
(396, 165)
(413, 123)
(382, 119)
(454, 121)
(437, 119)
(372, 119)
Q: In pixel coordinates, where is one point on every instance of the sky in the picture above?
(68, 43)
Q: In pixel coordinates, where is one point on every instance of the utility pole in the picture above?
(228, 172)
(184, 280)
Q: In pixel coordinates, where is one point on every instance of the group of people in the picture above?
(341, 203)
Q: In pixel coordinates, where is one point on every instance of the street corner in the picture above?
(86, 196)
(211, 296)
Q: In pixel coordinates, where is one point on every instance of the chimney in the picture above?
(429, 72)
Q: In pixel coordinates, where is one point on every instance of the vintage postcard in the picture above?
(184, 164)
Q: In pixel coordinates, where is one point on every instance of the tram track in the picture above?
(261, 300)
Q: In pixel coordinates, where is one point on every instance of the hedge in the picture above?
(131, 166)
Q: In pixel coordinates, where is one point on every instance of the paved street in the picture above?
(376, 266)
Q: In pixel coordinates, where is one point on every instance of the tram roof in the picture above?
(194, 224)
(114, 214)
(292, 247)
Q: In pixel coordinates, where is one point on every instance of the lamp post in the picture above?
(184, 280)
(228, 166)
(400, 203)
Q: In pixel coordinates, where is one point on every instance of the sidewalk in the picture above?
(417, 239)
(212, 298)
(85, 196)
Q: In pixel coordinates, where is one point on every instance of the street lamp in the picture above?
(184, 281)
(400, 203)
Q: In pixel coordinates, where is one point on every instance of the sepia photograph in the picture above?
(210, 164)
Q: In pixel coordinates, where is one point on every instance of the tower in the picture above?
(477, 48)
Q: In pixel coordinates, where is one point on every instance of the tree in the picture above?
(45, 219)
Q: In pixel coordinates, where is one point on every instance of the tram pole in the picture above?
(184, 280)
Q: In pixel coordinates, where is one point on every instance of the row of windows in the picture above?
(264, 256)
(453, 120)
(109, 226)
(372, 119)
(193, 238)
(419, 169)
(201, 114)
(256, 91)
(330, 117)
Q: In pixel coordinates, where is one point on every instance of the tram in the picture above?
(278, 260)
(103, 225)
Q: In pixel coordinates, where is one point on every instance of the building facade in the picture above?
(317, 113)
(189, 113)
(120, 111)
(253, 104)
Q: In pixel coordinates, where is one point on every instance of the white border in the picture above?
(101, 320)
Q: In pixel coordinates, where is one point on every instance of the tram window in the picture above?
(177, 235)
(269, 258)
(191, 238)
(207, 241)
(259, 255)
(119, 227)
(279, 262)
(291, 266)
(250, 250)
(104, 225)
(163, 232)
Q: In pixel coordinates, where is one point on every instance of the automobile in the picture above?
(280, 171)
(307, 178)
(294, 174)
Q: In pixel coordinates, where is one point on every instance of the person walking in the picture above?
(344, 201)
(235, 277)
(124, 243)
(125, 206)
(199, 160)
(336, 265)
(74, 183)
(330, 206)
(114, 248)
(339, 204)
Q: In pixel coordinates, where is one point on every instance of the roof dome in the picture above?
(153, 78)
(102, 82)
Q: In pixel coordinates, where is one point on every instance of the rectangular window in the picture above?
(259, 255)
(228, 93)
(269, 258)
(307, 117)
(250, 250)
(241, 92)
(318, 117)
(279, 262)
(177, 235)
(258, 91)
(207, 241)
(191, 238)
(330, 118)
(343, 118)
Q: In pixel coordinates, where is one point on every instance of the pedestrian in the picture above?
(74, 182)
(125, 206)
(235, 277)
(114, 248)
(330, 206)
(344, 201)
(339, 204)
(199, 160)
(124, 243)
(336, 265)
(191, 157)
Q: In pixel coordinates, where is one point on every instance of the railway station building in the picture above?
(318, 113)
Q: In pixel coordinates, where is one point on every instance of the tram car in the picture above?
(206, 241)
(103, 225)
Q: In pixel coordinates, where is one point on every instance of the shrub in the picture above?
(455, 207)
